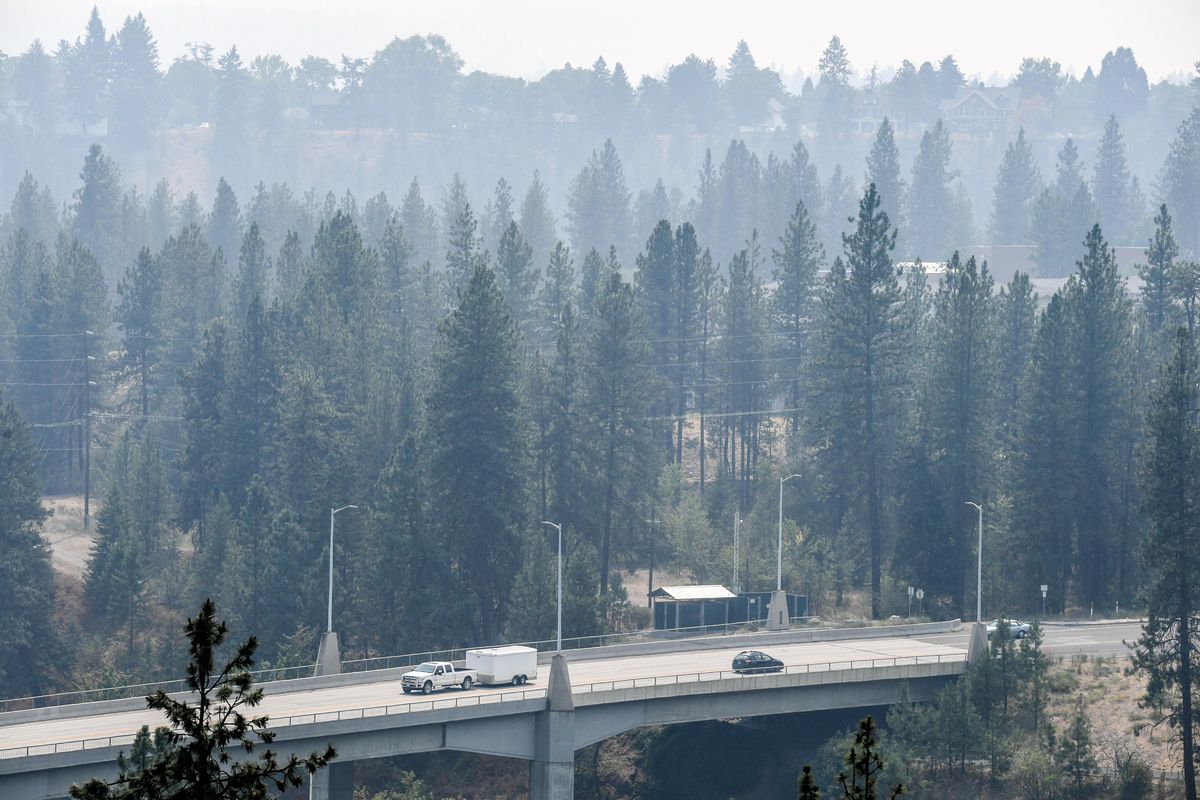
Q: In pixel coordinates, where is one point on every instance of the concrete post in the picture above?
(552, 771)
(977, 645)
(335, 782)
(329, 661)
(778, 617)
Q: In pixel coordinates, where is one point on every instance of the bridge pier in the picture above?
(552, 771)
(335, 782)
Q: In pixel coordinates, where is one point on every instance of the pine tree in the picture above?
(794, 301)
(1113, 186)
(136, 83)
(1075, 751)
(464, 248)
(1018, 183)
(532, 602)
(598, 205)
(289, 268)
(225, 222)
(420, 225)
(564, 426)
(1042, 469)
(1016, 319)
(930, 202)
(615, 391)
(1060, 213)
(883, 170)
(864, 762)
(497, 215)
(203, 454)
(252, 274)
(1156, 273)
(1167, 650)
(1099, 315)
(582, 604)
(1180, 186)
(96, 220)
(28, 638)
(478, 455)
(861, 365)
(518, 278)
(557, 291)
(194, 758)
(537, 221)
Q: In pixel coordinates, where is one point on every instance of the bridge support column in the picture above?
(329, 661)
(778, 616)
(552, 771)
(335, 782)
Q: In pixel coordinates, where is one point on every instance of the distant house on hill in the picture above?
(980, 110)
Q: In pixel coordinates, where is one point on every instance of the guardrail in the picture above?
(376, 663)
(505, 696)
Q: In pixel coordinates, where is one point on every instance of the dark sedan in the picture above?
(755, 662)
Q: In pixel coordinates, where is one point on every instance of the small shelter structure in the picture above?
(690, 606)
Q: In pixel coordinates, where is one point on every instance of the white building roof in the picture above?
(707, 592)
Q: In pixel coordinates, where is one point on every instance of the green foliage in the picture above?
(191, 757)
(1074, 754)
(478, 446)
(28, 638)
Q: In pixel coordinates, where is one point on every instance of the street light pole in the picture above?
(329, 617)
(558, 641)
(779, 559)
(979, 566)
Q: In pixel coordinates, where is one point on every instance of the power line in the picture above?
(43, 384)
(721, 414)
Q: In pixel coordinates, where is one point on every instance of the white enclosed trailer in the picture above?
(513, 664)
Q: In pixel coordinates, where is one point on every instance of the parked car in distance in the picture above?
(1016, 628)
(433, 675)
(755, 662)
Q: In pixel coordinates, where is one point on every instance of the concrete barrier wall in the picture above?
(757, 640)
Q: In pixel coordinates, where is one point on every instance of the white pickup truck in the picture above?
(430, 676)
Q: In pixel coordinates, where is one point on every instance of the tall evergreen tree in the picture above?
(96, 220)
(862, 364)
(1156, 273)
(136, 83)
(930, 200)
(1113, 187)
(252, 273)
(1167, 650)
(1060, 213)
(794, 301)
(1099, 315)
(537, 221)
(1018, 184)
(28, 638)
(225, 222)
(518, 278)
(619, 458)
(1179, 182)
(478, 456)
(883, 170)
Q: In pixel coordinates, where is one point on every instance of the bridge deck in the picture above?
(586, 675)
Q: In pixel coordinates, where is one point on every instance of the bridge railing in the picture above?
(375, 663)
(508, 696)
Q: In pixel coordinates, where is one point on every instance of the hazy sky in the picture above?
(529, 37)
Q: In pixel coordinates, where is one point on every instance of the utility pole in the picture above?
(979, 566)
(558, 639)
(87, 429)
(737, 519)
(650, 577)
(779, 562)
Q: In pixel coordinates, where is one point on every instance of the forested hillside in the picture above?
(462, 360)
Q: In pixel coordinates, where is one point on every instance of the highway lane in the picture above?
(1059, 641)
(1099, 639)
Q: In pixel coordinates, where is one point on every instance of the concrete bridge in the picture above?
(583, 698)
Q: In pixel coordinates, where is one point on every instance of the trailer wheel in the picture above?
(516, 680)
(428, 687)
(524, 680)
(466, 684)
